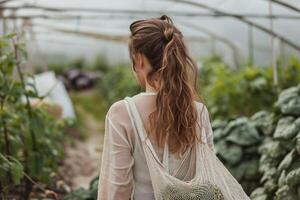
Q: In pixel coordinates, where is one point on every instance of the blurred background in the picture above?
(63, 63)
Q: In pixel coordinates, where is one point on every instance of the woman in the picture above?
(168, 109)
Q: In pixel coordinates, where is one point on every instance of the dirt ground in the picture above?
(82, 159)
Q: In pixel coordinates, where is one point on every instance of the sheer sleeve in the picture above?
(115, 179)
(207, 127)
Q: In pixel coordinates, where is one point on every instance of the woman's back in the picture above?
(127, 174)
(158, 144)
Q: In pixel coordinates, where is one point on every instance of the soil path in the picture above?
(82, 160)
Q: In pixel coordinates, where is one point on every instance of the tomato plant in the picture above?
(31, 139)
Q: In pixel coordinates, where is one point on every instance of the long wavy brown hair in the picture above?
(175, 118)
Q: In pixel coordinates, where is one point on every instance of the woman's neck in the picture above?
(150, 89)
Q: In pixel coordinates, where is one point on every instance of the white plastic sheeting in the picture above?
(48, 85)
(114, 23)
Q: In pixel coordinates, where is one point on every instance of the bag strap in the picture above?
(136, 118)
(166, 156)
(202, 128)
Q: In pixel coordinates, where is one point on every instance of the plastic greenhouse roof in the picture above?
(201, 26)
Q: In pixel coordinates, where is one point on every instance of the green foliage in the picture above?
(290, 74)
(61, 66)
(85, 194)
(31, 139)
(236, 144)
(84, 104)
(118, 83)
(263, 151)
(280, 155)
(100, 64)
(9, 165)
(231, 92)
(87, 101)
(245, 91)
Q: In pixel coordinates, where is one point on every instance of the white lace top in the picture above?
(124, 173)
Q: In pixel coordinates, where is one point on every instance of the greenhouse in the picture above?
(64, 66)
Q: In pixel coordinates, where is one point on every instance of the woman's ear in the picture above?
(139, 62)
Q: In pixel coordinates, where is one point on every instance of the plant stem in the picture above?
(28, 185)
(5, 131)
(7, 145)
(26, 96)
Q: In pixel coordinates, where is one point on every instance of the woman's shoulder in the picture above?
(119, 106)
(203, 111)
(200, 105)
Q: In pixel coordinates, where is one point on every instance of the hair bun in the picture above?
(168, 19)
(168, 33)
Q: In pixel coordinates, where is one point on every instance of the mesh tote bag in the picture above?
(211, 181)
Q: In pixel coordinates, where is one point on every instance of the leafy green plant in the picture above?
(231, 92)
(118, 82)
(290, 74)
(85, 194)
(280, 151)
(31, 139)
(87, 100)
(100, 63)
